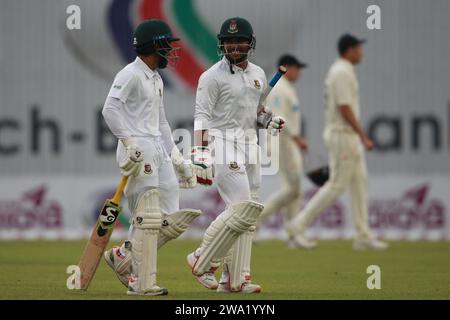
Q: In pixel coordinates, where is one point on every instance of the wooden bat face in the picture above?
(107, 217)
(97, 243)
(100, 236)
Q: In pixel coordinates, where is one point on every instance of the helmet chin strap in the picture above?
(165, 55)
(223, 52)
(236, 62)
(162, 63)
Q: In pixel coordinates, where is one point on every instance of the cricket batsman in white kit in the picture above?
(284, 100)
(227, 112)
(146, 153)
(346, 140)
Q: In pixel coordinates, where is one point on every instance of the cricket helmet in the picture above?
(237, 27)
(154, 36)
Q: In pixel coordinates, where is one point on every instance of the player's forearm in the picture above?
(166, 131)
(166, 135)
(350, 118)
(113, 118)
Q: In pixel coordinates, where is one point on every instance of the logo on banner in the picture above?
(32, 210)
(416, 209)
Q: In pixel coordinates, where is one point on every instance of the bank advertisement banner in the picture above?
(67, 207)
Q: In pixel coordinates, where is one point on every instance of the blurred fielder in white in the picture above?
(345, 140)
(284, 101)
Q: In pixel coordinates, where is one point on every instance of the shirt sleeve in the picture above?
(166, 131)
(342, 86)
(206, 98)
(123, 85)
(113, 118)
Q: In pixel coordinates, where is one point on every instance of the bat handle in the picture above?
(118, 195)
(281, 71)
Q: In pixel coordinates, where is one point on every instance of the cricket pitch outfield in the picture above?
(408, 270)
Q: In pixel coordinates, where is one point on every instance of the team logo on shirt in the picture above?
(233, 27)
(257, 84)
(148, 168)
(234, 166)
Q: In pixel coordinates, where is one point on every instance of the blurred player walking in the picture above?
(284, 101)
(345, 140)
(146, 152)
(226, 115)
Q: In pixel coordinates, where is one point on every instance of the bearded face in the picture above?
(236, 50)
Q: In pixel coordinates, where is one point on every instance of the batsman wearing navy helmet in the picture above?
(146, 152)
(226, 153)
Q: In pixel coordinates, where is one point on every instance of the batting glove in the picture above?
(276, 124)
(203, 165)
(132, 165)
(185, 170)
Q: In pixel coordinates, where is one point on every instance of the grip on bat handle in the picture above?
(118, 195)
(281, 71)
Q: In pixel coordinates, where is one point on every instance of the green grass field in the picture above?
(415, 270)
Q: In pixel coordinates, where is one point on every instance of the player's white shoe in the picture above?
(208, 279)
(369, 243)
(300, 242)
(154, 291)
(119, 263)
(246, 287)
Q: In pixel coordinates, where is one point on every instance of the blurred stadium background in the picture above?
(57, 157)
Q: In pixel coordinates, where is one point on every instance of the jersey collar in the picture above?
(148, 72)
(285, 82)
(347, 64)
(235, 67)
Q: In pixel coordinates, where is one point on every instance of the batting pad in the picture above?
(237, 261)
(224, 231)
(173, 225)
(146, 222)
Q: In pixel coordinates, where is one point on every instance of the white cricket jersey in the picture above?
(140, 89)
(226, 104)
(134, 107)
(283, 101)
(341, 88)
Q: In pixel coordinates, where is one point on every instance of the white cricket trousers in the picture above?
(157, 172)
(347, 170)
(288, 199)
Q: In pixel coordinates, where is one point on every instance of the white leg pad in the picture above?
(146, 223)
(173, 225)
(223, 232)
(237, 261)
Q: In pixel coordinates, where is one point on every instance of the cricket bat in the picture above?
(281, 71)
(100, 236)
